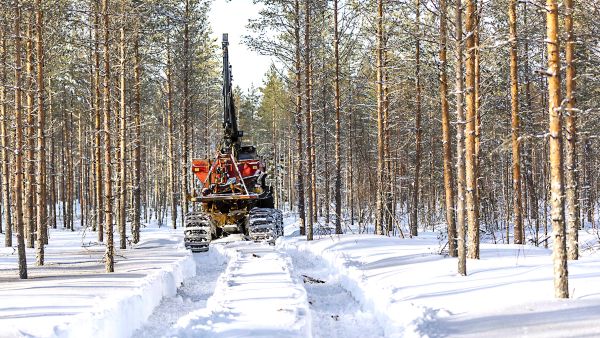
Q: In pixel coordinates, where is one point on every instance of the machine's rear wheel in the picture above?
(199, 230)
(264, 224)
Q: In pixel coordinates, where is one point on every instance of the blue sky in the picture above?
(232, 17)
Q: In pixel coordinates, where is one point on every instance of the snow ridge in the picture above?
(120, 318)
(398, 319)
(72, 296)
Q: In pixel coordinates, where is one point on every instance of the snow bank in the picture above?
(72, 297)
(255, 297)
(415, 292)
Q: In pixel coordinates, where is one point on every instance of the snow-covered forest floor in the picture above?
(335, 286)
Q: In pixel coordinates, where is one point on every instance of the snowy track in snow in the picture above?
(334, 311)
(191, 296)
(256, 296)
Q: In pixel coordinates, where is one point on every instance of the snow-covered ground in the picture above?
(335, 286)
(255, 296)
(415, 292)
(72, 296)
(191, 296)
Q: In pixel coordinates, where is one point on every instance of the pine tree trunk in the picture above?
(186, 107)
(309, 122)
(472, 201)
(6, 174)
(137, 158)
(478, 10)
(299, 134)
(41, 139)
(98, 126)
(18, 165)
(171, 146)
(379, 212)
(108, 212)
(460, 146)
(448, 179)
(515, 124)
(571, 177)
(561, 284)
(418, 131)
(122, 190)
(29, 139)
(338, 128)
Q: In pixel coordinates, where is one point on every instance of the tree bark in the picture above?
(299, 134)
(98, 126)
(460, 145)
(515, 124)
(309, 122)
(6, 179)
(338, 127)
(470, 155)
(561, 283)
(108, 213)
(41, 139)
(137, 158)
(572, 186)
(418, 131)
(380, 130)
(170, 144)
(186, 107)
(448, 179)
(122, 190)
(18, 165)
(29, 140)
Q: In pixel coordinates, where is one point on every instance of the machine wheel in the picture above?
(264, 224)
(199, 230)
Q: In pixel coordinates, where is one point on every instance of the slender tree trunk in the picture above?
(338, 128)
(18, 165)
(137, 159)
(122, 191)
(380, 130)
(108, 213)
(418, 131)
(460, 146)
(309, 121)
(41, 138)
(186, 107)
(98, 126)
(572, 187)
(6, 179)
(515, 124)
(388, 179)
(470, 156)
(171, 146)
(29, 139)
(478, 10)
(448, 179)
(299, 134)
(561, 283)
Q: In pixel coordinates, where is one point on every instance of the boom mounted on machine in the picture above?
(234, 197)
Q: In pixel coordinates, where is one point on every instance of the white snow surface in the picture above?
(415, 292)
(72, 296)
(255, 296)
(335, 286)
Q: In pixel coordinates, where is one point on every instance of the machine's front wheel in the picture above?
(199, 230)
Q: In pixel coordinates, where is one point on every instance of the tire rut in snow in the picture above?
(192, 295)
(334, 311)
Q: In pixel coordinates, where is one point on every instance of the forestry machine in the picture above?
(234, 197)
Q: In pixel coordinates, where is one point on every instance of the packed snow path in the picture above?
(256, 296)
(192, 295)
(335, 313)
